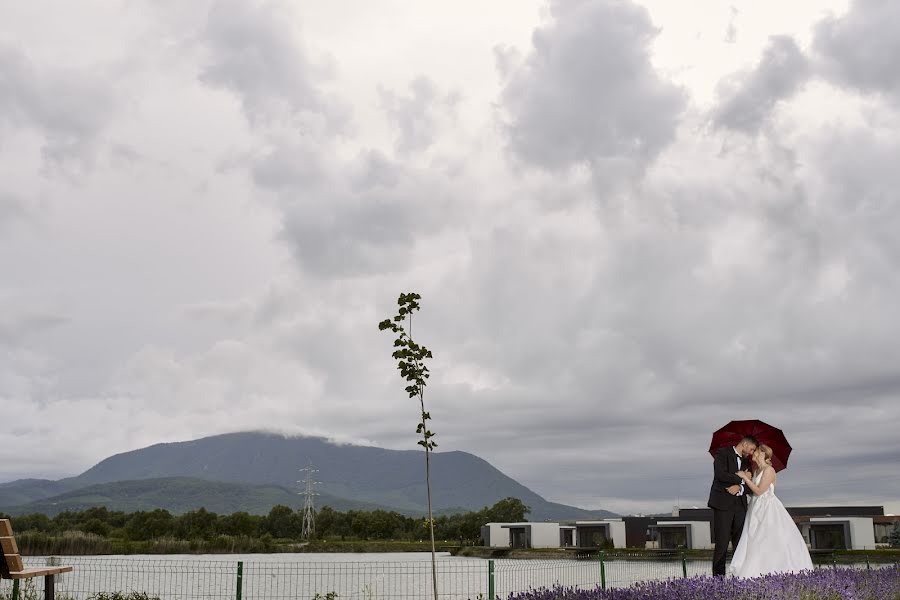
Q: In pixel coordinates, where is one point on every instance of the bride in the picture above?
(771, 542)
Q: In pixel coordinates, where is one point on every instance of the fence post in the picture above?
(683, 565)
(491, 580)
(602, 570)
(867, 561)
(15, 590)
(239, 590)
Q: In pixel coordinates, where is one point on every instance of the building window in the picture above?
(828, 536)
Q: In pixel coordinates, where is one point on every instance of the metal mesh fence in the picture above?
(312, 577)
(511, 576)
(401, 580)
(166, 579)
(623, 569)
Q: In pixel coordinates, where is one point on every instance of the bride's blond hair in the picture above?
(767, 453)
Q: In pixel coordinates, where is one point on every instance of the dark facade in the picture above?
(637, 531)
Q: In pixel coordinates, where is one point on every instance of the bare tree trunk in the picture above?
(427, 480)
(430, 517)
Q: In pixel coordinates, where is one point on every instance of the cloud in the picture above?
(587, 93)
(415, 116)
(20, 323)
(746, 100)
(14, 329)
(254, 53)
(585, 348)
(731, 30)
(347, 218)
(13, 209)
(69, 108)
(858, 49)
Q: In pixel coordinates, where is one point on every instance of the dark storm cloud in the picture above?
(859, 49)
(587, 94)
(747, 99)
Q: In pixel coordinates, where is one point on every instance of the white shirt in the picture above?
(740, 493)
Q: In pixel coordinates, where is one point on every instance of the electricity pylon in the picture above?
(309, 508)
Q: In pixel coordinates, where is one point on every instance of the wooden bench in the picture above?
(11, 566)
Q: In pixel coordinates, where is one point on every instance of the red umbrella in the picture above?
(772, 437)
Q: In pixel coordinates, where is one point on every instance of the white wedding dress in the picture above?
(770, 542)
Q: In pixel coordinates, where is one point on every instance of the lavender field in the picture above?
(821, 584)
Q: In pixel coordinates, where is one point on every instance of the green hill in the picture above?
(179, 495)
(264, 463)
(23, 491)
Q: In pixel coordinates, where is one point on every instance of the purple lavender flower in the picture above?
(820, 584)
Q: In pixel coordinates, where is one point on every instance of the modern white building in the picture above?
(521, 535)
(850, 533)
(534, 535)
(693, 535)
(581, 534)
(598, 534)
(495, 535)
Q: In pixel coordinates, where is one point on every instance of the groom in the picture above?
(728, 498)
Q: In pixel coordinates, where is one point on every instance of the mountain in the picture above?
(376, 476)
(23, 491)
(179, 495)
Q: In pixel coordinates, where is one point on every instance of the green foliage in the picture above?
(29, 591)
(410, 358)
(35, 522)
(96, 527)
(282, 522)
(508, 510)
(328, 596)
(149, 525)
(158, 532)
(238, 524)
(196, 524)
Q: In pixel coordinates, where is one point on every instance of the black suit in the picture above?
(728, 511)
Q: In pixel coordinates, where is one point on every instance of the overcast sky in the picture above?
(630, 223)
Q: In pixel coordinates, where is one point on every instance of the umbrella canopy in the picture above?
(771, 436)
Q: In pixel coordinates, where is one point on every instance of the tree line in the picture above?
(282, 522)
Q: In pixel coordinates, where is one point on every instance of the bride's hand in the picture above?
(742, 475)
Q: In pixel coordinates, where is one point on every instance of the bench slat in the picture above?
(13, 562)
(38, 572)
(8, 545)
